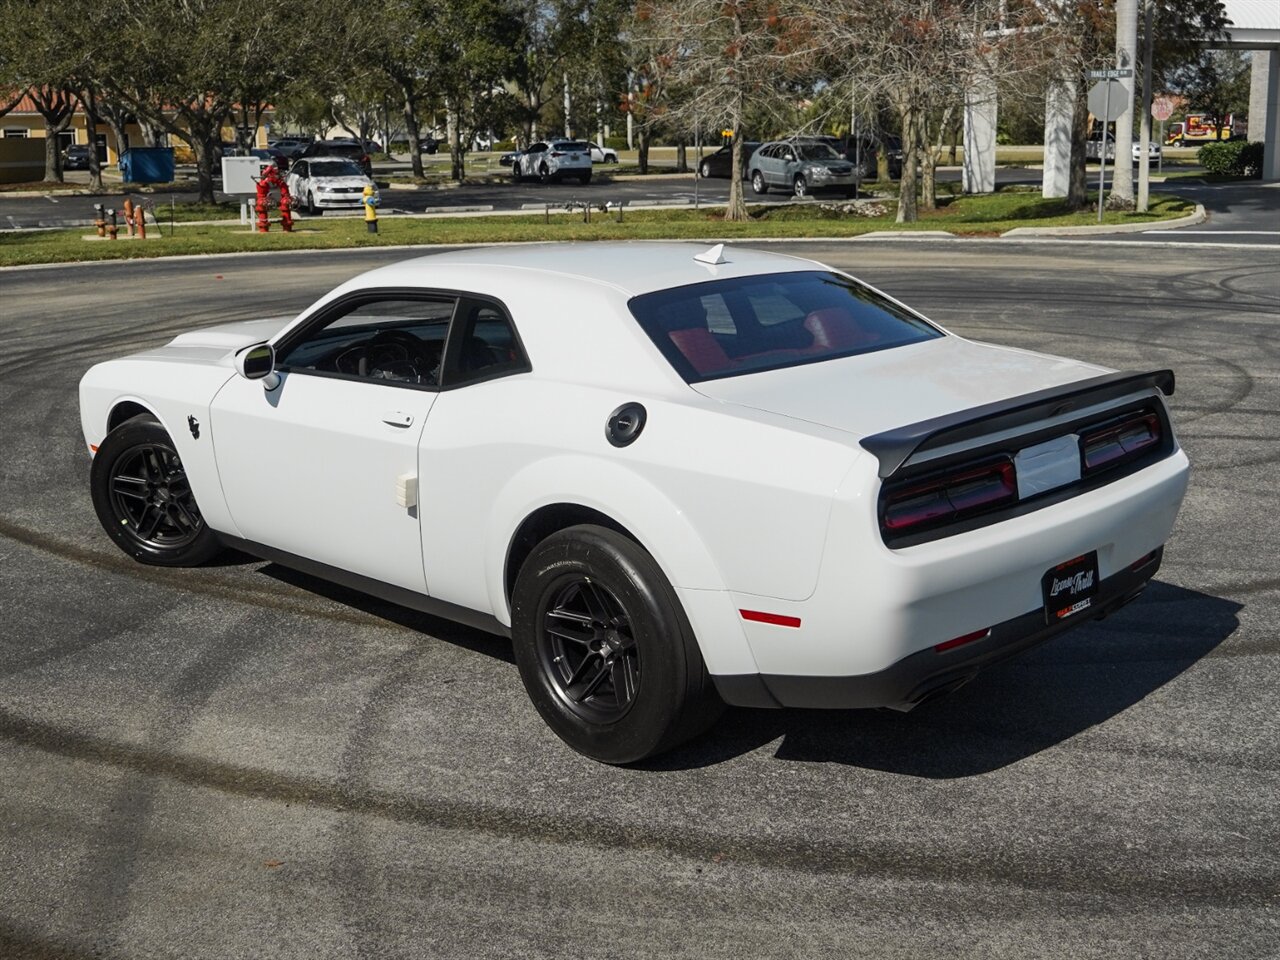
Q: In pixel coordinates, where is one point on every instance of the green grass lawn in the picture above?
(981, 216)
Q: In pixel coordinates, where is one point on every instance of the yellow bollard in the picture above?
(370, 201)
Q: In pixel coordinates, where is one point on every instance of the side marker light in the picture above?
(777, 619)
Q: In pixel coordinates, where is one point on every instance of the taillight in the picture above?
(1119, 442)
(950, 497)
(554, 154)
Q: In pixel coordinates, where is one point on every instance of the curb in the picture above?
(1199, 216)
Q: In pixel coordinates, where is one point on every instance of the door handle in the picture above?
(397, 419)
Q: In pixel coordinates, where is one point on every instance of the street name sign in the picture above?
(1119, 73)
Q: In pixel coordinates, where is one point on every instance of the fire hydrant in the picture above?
(100, 219)
(140, 221)
(260, 205)
(370, 201)
(128, 215)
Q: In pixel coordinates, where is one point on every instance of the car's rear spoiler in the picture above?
(894, 447)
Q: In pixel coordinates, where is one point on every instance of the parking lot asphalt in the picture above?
(242, 761)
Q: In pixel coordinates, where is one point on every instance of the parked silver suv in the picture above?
(801, 166)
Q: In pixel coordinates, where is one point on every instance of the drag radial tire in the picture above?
(605, 650)
(144, 500)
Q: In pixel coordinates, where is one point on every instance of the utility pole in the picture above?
(1144, 138)
(1126, 54)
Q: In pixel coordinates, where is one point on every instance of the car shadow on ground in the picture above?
(1008, 713)
(460, 635)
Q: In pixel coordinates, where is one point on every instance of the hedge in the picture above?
(1232, 158)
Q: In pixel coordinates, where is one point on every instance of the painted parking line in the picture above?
(1227, 233)
(50, 199)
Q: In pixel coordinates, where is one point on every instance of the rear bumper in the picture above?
(928, 673)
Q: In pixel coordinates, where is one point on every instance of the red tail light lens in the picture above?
(1119, 442)
(557, 154)
(950, 497)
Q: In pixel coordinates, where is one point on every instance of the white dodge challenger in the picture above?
(675, 477)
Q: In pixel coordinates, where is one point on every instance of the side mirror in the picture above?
(258, 362)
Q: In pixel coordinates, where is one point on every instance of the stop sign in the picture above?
(1162, 108)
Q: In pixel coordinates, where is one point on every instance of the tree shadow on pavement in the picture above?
(1008, 713)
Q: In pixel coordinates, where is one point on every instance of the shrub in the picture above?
(1231, 158)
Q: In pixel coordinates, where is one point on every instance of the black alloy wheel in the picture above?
(144, 500)
(604, 648)
(587, 650)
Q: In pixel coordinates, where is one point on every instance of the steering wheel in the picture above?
(396, 355)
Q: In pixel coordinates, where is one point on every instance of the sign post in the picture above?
(1162, 110)
(1107, 107)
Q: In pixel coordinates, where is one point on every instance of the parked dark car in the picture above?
(865, 150)
(720, 163)
(428, 144)
(75, 157)
(289, 147)
(350, 149)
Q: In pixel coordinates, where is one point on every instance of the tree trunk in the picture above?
(929, 162)
(411, 131)
(453, 129)
(52, 157)
(882, 164)
(682, 158)
(907, 186)
(642, 146)
(1078, 185)
(204, 140)
(89, 101)
(736, 209)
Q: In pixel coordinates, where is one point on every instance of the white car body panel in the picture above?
(752, 492)
(332, 461)
(330, 193)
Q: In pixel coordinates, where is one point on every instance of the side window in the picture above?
(394, 339)
(484, 345)
(300, 168)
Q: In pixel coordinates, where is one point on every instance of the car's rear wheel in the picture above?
(515, 170)
(757, 183)
(604, 649)
(800, 187)
(143, 498)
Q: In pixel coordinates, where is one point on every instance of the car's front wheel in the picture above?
(312, 209)
(704, 171)
(757, 183)
(605, 650)
(144, 500)
(800, 187)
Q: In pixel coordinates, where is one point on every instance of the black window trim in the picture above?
(329, 312)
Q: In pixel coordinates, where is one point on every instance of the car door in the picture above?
(325, 464)
(785, 166)
(299, 173)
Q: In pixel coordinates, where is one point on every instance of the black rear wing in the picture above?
(894, 447)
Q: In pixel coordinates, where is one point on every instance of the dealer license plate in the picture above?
(1070, 588)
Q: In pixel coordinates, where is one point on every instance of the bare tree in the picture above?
(921, 56)
(727, 57)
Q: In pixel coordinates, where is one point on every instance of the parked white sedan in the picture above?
(553, 161)
(327, 183)
(675, 477)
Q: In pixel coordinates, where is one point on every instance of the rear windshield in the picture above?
(725, 328)
(570, 147)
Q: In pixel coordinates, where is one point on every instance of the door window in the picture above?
(484, 346)
(398, 340)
